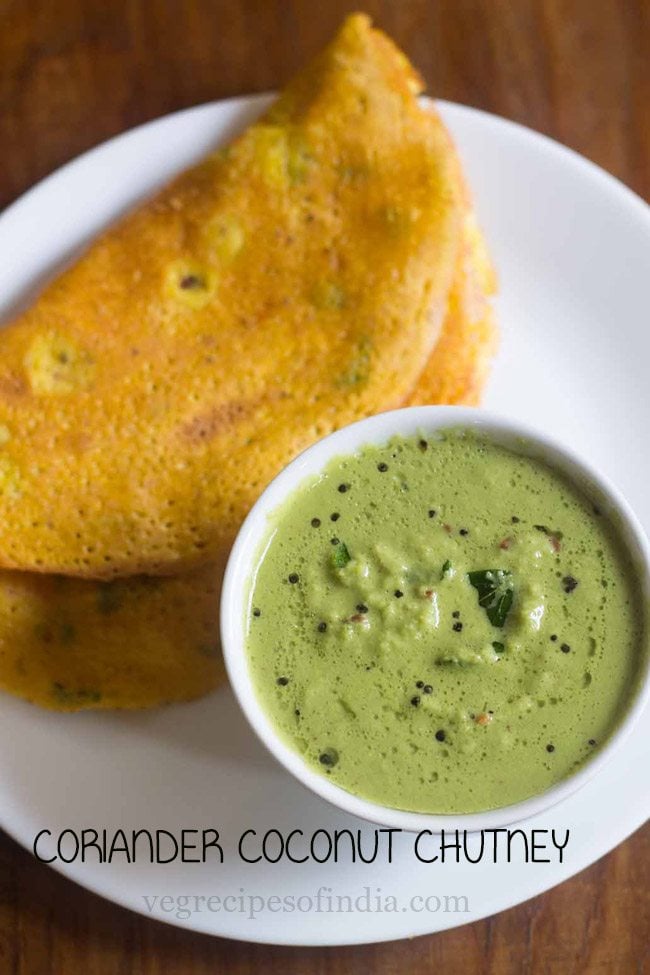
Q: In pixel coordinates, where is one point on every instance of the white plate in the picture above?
(573, 251)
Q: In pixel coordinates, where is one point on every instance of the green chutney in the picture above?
(443, 625)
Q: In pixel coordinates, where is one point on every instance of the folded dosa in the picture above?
(291, 283)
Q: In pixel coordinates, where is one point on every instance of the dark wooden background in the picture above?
(73, 73)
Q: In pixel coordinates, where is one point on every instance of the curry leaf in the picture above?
(495, 593)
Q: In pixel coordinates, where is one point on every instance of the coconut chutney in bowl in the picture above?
(440, 615)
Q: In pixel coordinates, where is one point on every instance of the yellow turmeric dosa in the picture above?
(458, 367)
(74, 644)
(288, 285)
(137, 476)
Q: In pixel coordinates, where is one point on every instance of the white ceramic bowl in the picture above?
(240, 573)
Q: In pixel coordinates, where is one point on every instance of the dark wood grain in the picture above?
(74, 72)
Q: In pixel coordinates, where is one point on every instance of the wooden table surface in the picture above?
(73, 73)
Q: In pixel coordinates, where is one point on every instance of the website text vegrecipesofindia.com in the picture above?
(323, 900)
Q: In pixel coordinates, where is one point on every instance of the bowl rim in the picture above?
(246, 554)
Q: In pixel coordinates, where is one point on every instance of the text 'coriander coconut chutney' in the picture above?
(443, 625)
